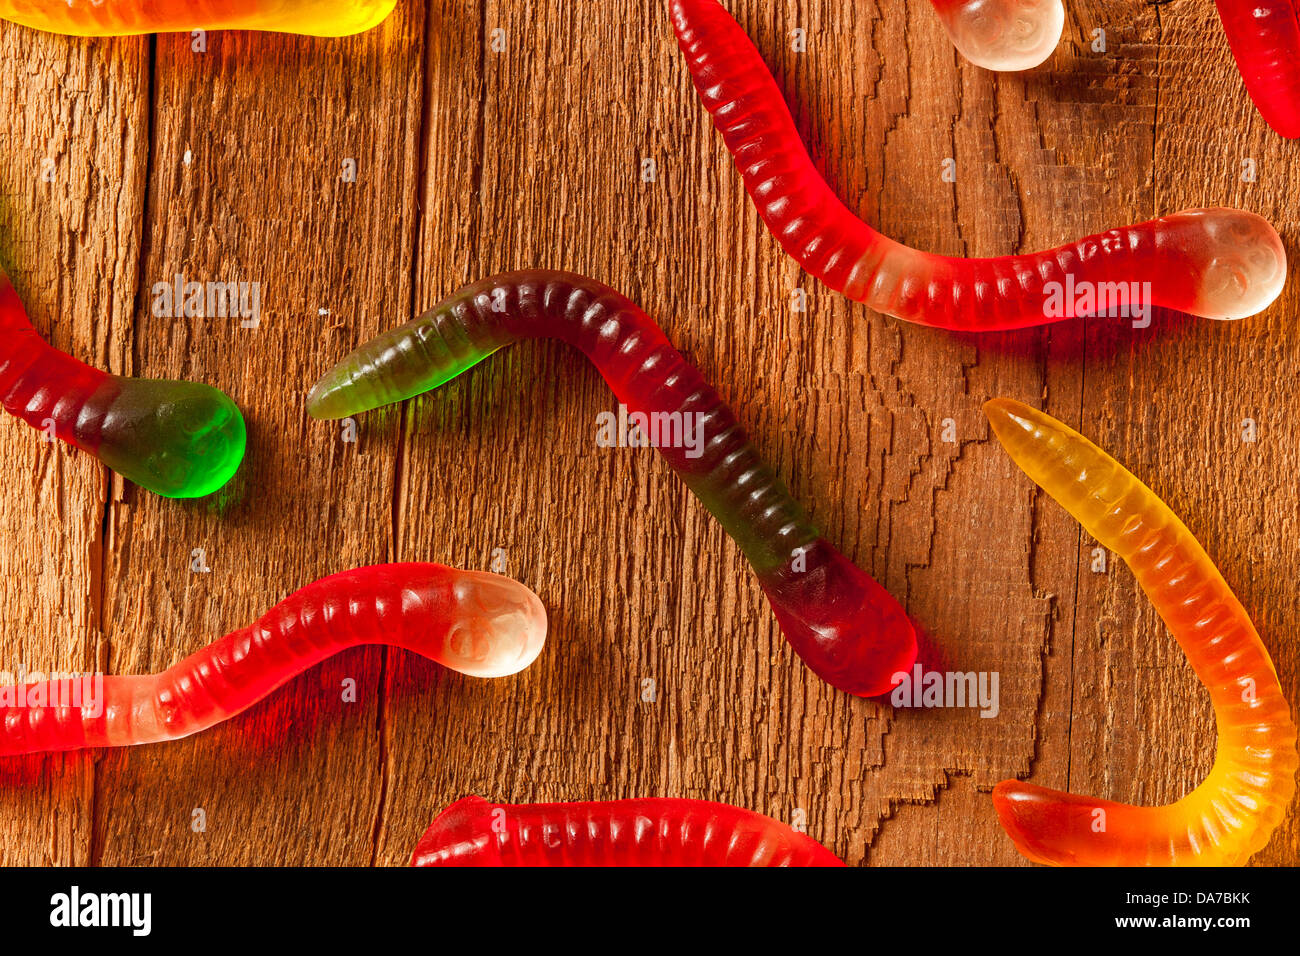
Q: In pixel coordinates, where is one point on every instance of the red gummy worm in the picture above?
(1265, 39)
(844, 625)
(39, 383)
(649, 832)
(472, 622)
(1217, 263)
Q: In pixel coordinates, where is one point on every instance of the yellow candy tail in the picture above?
(1232, 814)
(91, 18)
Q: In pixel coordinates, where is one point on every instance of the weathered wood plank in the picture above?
(266, 123)
(474, 160)
(73, 146)
(1172, 402)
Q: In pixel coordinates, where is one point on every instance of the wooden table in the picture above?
(124, 163)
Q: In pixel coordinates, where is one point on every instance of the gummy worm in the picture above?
(106, 18)
(843, 624)
(1264, 36)
(1235, 809)
(1003, 35)
(649, 832)
(472, 622)
(1217, 263)
(179, 439)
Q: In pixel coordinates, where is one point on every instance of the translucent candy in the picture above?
(1265, 39)
(648, 832)
(1216, 263)
(100, 18)
(178, 439)
(1236, 808)
(1004, 35)
(843, 624)
(472, 622)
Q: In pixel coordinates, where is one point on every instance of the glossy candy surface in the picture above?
(649, 832)
(1265, 39)
(100, 18)
(843, 624)
(476, 623)
(178, 439)
(1236, 808)
(1003, 35)
(1216, 263)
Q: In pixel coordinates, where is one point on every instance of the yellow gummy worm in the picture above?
(1236, 808)
(98, 18)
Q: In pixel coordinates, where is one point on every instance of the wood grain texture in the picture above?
(472, 160)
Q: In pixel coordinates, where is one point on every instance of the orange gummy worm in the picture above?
(1236, 808)
(106, 18)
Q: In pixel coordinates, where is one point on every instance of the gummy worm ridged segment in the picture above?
(326, 18)
(39, 384)
(1265, 39)
(633, 356)
(841, 622)
(176, 438)
(1005, 292)
(1218, 263)
(646, 832)
(651, 377)
(1233, 812)
(476, 623)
